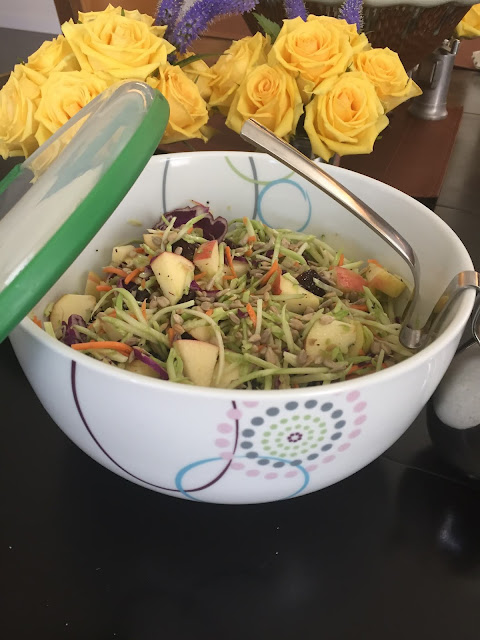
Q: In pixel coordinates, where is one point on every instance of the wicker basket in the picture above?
(412, 31)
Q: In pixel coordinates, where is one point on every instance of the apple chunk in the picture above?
(233, 369)
(71, 304)
(137, 366)
(381, 279)
(93, 280)
(348, 280)
(321, 337)
(298, 305)
(207, 259)
(204, 334)
(121, 253)
(199, 360)
(174, 274)
(241, 268)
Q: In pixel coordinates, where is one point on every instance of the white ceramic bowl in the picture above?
(231, 446)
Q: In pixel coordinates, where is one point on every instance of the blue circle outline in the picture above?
(273, 183)
(180, 475)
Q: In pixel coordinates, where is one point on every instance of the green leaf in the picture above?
(271, 28)
(194, 58)
(122, 12)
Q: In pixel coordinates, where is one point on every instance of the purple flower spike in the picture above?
(197, 18)
(167, 14)
(295, 9)
(352, 12)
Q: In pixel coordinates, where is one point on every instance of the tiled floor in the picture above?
(458, 203)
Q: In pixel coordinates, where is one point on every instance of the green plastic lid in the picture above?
(53, 204)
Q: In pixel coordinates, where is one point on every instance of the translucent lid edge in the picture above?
(72, 237)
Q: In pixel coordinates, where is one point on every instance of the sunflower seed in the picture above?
(302, 358)
(265, 336)
(163, 302)
(271, 356)
(376, 347)
(296, 324)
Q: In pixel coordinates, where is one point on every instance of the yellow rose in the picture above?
(88, 16)
(469, 27)
(312, 51)
(63, 95)
(386, 72)
(118, 45)
(346, 119)
(271, 96)
(19, 99)
(232, 67)
(200, 73)
(53, 55)
(358, 41)
(188, 110)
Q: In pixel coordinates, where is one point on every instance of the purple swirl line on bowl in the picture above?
(132, 475)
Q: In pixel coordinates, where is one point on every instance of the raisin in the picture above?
(305, 279)
(188, 248)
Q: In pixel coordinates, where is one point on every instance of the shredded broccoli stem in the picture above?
(264, 346)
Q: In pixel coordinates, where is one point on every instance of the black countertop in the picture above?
(390, 553)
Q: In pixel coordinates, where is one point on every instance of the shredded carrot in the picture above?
(341, 260)
(361, 352)
(276, 288)
(359, 307)
(37, 321)
(251, 313)
(190, 230)
(139, 250)
(171, 335)
(118, 346)
(251, 239)
(354, 368)
(93, 277)
(115, 270)
(248, 252)
(144, 309)
(269, 273)
(199, 276)
(372, 261)
(244, 220)
(143, 284)
(103, 287)
(229, 277)
(113, 314)
(209, 312)
(228, 255)
(133, 274)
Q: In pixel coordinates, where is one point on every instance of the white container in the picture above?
(231, 446)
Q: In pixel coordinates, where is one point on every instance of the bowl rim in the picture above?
(463, 311)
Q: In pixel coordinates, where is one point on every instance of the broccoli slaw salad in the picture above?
(200, 301)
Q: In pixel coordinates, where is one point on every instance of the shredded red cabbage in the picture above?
(213, 228)
(146, 359)
(70, 335)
